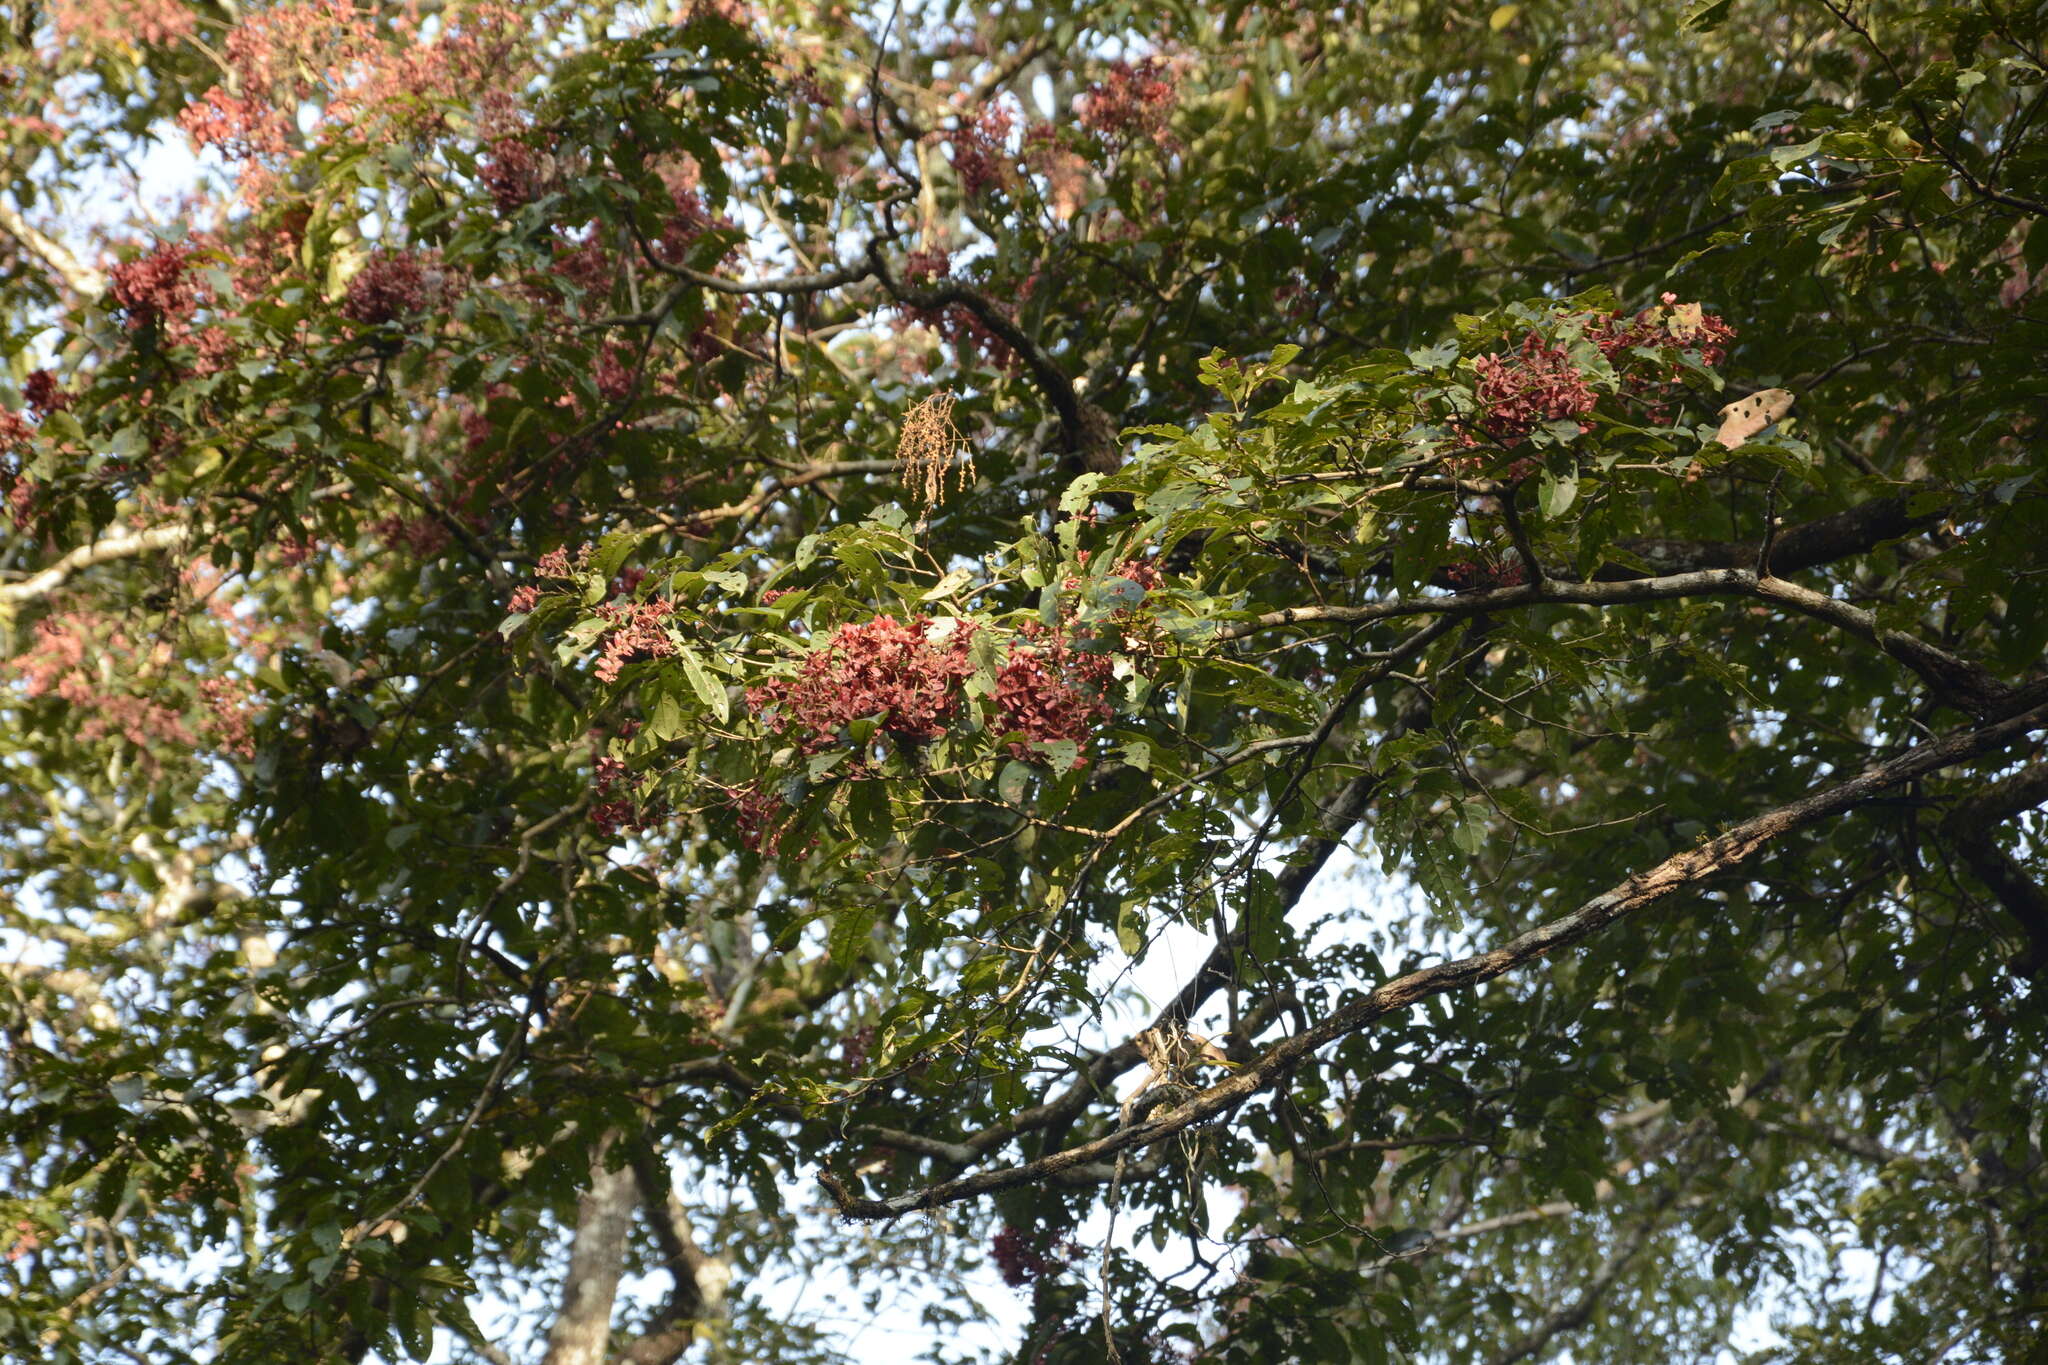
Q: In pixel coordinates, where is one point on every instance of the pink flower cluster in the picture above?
(1673, 325)
(1050, 691)
(613, 808)
(637, 631)
(980, 149)
(122, 22)
(513, 173)
(64, 660)
(157, 289)
(763, 818)
(394, 284)
(1135, 102)
(1519, 392)
(887, 668)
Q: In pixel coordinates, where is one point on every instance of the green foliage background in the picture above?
(332, 1014)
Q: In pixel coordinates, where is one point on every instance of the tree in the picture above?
(621, 636)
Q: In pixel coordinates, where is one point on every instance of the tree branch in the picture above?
(1673, 874)
(1955, 680)
(581, 1334)
(1051, 379)
(697, 1280)
(102, 551)
(79, 277)
(1574, 1314)
(1971, 829)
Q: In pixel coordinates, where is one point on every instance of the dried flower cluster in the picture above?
(926, 449)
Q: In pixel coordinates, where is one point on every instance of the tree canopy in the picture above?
(630, 640)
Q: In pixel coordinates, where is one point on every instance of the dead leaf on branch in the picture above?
(1745, 417)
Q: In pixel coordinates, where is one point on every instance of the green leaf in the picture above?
(1704, 16)
(708, 689)
(851, 930)
(1014, 782)
(665, 717)
(1555, 493)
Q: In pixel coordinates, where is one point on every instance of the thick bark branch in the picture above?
(697, 1280)
(581, 1334)
(1279, 1061)
(102, 551)
(786, 284)
(1954, 679)
(79, 277)
(1971, 829)
(1853, 531)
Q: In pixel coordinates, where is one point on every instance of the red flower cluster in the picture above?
(857, 1045)
(1019, 1262)
(1675, 324)
(1466, 575)
(227, 702)
(613, 372)
(157, 289)
(970, 336)
(636, 633)
(1521, 391)
(980, 150)
(920, 267)
(43, 394)
(884, 667)
(763, 819)
(1051, 691)
(1136, 101)
(611, 811)
(393, 284)
(690, 221)
(513, 173)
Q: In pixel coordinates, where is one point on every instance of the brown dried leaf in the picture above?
(1745, 417)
